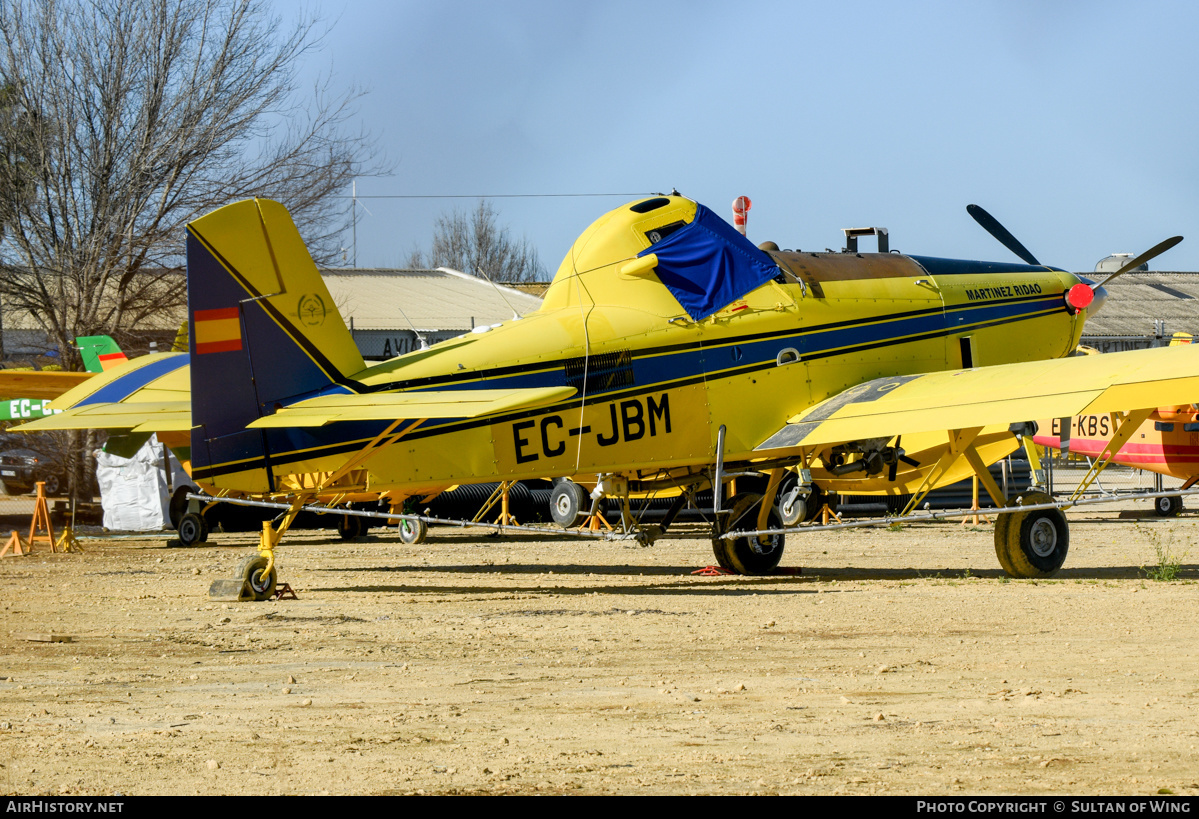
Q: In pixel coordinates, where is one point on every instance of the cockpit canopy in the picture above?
(703, 264)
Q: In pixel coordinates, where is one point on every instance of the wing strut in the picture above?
(961, 444)
(1126, 427)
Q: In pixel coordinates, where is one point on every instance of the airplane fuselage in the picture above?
(1167, 443)
(652, 386)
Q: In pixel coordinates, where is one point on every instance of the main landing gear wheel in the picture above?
(259, 584)
(1167, 507)
(192, 529)
(739, 554)
(350, 527)
(568, 504)
(413, 532)
(1033, 543)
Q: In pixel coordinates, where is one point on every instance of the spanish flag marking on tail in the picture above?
(218, 331)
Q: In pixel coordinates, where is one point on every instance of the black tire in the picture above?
(261, 586)
(1167, 507)
(413, 532)
(178, 505)
(1035, 543)
(350, 527)
(192, 529)
(738, 554)
(54, 485)
(720, 551)
(569, 504)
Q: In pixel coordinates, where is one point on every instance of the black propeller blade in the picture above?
(1156, 250)
(991, 225)
(897, 456)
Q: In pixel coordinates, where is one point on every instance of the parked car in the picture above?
(21, 469)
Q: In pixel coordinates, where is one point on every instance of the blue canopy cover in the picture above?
(707, 264)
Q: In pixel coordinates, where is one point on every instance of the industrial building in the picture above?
(388, 311)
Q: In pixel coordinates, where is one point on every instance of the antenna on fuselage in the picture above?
(424, 345)
(515, 315)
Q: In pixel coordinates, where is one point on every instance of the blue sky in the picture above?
(1074, 123)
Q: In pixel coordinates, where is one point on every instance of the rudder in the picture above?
(263, 331)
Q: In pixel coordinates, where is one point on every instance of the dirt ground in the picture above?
(898, 662)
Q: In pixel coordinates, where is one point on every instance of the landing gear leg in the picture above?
(256, 576)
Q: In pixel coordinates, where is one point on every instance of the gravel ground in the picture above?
(889, 662)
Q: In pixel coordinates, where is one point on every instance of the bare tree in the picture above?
(137, 116)
(470, 241)
(16, 181)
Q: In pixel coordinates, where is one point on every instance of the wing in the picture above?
(327, 409)
(961, 399)
(147, 394)
(160, 416)
(38, 384)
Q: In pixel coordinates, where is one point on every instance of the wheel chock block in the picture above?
(230, 591)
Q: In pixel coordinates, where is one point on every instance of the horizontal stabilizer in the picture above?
(147, 394)
(148, 379)
(328, 409)
(162, 416)
(1006, 393)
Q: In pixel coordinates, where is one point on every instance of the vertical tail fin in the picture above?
(99, 353)
(263, 331)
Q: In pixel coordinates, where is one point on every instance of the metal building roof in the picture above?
(439, 299)
(1136, 300)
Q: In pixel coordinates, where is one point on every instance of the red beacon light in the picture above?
(1079, 297)
(741, 206)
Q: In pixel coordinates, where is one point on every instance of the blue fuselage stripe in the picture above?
(654, 369)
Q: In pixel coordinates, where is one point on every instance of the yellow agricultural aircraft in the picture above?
(670, 354)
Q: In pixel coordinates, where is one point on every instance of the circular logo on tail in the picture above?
(312, 310)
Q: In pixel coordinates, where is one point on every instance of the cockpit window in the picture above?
(657, 234)
(649, 204)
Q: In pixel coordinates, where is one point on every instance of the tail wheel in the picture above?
(192, 529)
(413, 532)
(1033, 543)
(260, 583)
(748, 555)
(1167, 507)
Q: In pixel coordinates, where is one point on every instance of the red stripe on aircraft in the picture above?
(216, 315)
(225, 346)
